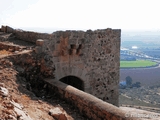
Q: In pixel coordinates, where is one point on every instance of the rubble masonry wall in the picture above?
(92, 56)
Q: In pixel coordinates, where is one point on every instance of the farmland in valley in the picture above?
(137, 63)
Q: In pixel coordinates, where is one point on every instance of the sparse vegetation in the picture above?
(142, 96)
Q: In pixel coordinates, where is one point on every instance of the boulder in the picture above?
(57, 114)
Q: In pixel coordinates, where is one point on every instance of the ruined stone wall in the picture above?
(31, 66)
(31, 36)
(26, 35)
(3, 28)
(6, 29)
(9, 29)
(88, 105)
(92, 56)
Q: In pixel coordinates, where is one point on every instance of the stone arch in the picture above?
(64, 71)
(73, 81)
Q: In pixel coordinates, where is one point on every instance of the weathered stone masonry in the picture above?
(91, 56)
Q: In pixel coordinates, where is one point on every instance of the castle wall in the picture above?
(3, 28)
(88, 105)
(31, 36)
(9, 29)
(26, 35)
(92, 56)
(6, 29)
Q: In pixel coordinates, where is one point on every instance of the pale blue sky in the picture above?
(81, 14)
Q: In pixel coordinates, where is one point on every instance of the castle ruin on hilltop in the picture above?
(88, 60)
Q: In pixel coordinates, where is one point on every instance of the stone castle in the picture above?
(87, 60)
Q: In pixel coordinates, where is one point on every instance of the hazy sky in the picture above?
(81, 14)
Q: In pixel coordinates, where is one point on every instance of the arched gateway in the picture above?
(73, 81)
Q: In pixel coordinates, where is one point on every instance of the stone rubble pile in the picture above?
(11, 110)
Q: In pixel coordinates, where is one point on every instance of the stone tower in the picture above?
(87, 60)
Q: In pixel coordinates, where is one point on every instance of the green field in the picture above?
(137, 63)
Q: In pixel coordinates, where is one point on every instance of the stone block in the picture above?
(57, 114)
(39, 42)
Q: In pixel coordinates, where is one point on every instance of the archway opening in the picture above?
(73, 81)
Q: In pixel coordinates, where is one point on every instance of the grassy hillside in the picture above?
(137, 63)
